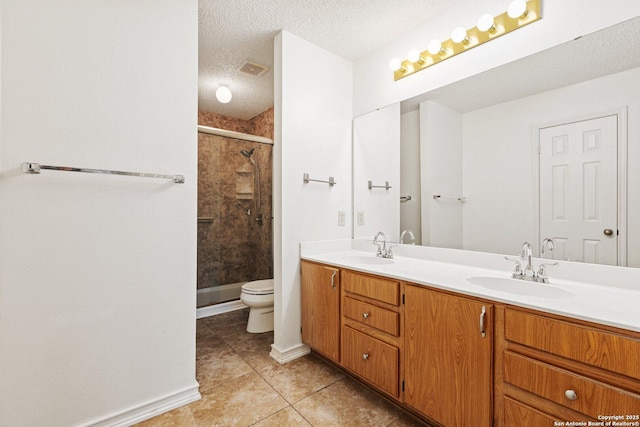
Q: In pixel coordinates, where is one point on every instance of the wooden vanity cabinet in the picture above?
(371, 330)
(320, 297)
(559, 369)
(434, 352)
(448, 357)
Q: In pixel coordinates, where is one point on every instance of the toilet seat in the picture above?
(258, 287)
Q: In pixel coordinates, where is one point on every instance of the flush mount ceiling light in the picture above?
(223, 94)
(519, 14)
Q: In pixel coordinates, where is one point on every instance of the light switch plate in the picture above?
(341, 220)
(360, 218)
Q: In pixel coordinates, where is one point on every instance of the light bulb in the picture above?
(435, 47)
(485, 23)
(395, 64)
(223, 94)
(413, 55)
(459, 35)
(517, 9)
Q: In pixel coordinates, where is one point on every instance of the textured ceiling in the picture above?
(234, 31)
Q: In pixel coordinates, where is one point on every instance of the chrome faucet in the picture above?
(411, 236)
(546, 243)
(526, 254)
(381, 240)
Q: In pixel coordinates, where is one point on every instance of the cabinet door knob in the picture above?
(570, 394)
(365, 315)
(365, 356)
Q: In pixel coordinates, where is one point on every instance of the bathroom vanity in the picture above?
(452, 346)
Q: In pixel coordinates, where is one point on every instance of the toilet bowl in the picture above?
(258, 296)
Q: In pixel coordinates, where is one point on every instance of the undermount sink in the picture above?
(369, 260)
(520, 287)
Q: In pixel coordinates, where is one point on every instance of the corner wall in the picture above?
(97, 272)
(313, 114)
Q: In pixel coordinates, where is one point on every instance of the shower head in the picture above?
(247, 154)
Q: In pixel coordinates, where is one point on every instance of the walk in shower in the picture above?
(235, 231)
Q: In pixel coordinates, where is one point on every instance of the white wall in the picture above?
(498, 160)
(376, 153)
(562, 21)
(410, 218)
(313, 114)
(441, 174)
(97, 272)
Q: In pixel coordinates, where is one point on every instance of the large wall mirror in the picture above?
(544, 147)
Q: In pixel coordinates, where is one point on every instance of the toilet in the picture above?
(258, 296)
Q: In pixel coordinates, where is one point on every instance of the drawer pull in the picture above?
(365, 356)
(333, 276)
(482, 313)
(570, 394)
(365, 315)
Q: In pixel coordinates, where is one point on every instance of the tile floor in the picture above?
(242, 386)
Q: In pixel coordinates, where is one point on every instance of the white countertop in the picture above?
(609, 305)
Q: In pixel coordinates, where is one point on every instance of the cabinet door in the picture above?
(448, 365)
(321, 308)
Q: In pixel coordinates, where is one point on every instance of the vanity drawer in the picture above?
(591, 398)
(377, 288)
(373, 360)
(385, 320)
(519, 414)
(606, 350)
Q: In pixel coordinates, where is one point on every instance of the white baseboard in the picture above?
(148, 410)
(289, 354)
(224, 307)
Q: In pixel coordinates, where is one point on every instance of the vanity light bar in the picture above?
(502, 24)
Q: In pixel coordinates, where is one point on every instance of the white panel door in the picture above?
(579, 189)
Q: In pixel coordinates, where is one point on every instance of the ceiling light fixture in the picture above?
(223, 94)
(518, 14)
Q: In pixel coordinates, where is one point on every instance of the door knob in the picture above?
(608, 232)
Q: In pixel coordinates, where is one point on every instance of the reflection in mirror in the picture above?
(479, 140)
(376, 154)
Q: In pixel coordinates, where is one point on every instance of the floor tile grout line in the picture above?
(289, 405)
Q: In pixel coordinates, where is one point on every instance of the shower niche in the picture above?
(245, 182)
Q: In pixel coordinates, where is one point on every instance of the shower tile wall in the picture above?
(235, 247)
(260, 125)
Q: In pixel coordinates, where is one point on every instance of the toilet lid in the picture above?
(259, 287)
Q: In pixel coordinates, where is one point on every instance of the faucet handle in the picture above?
(542, 271)
(517, 269)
